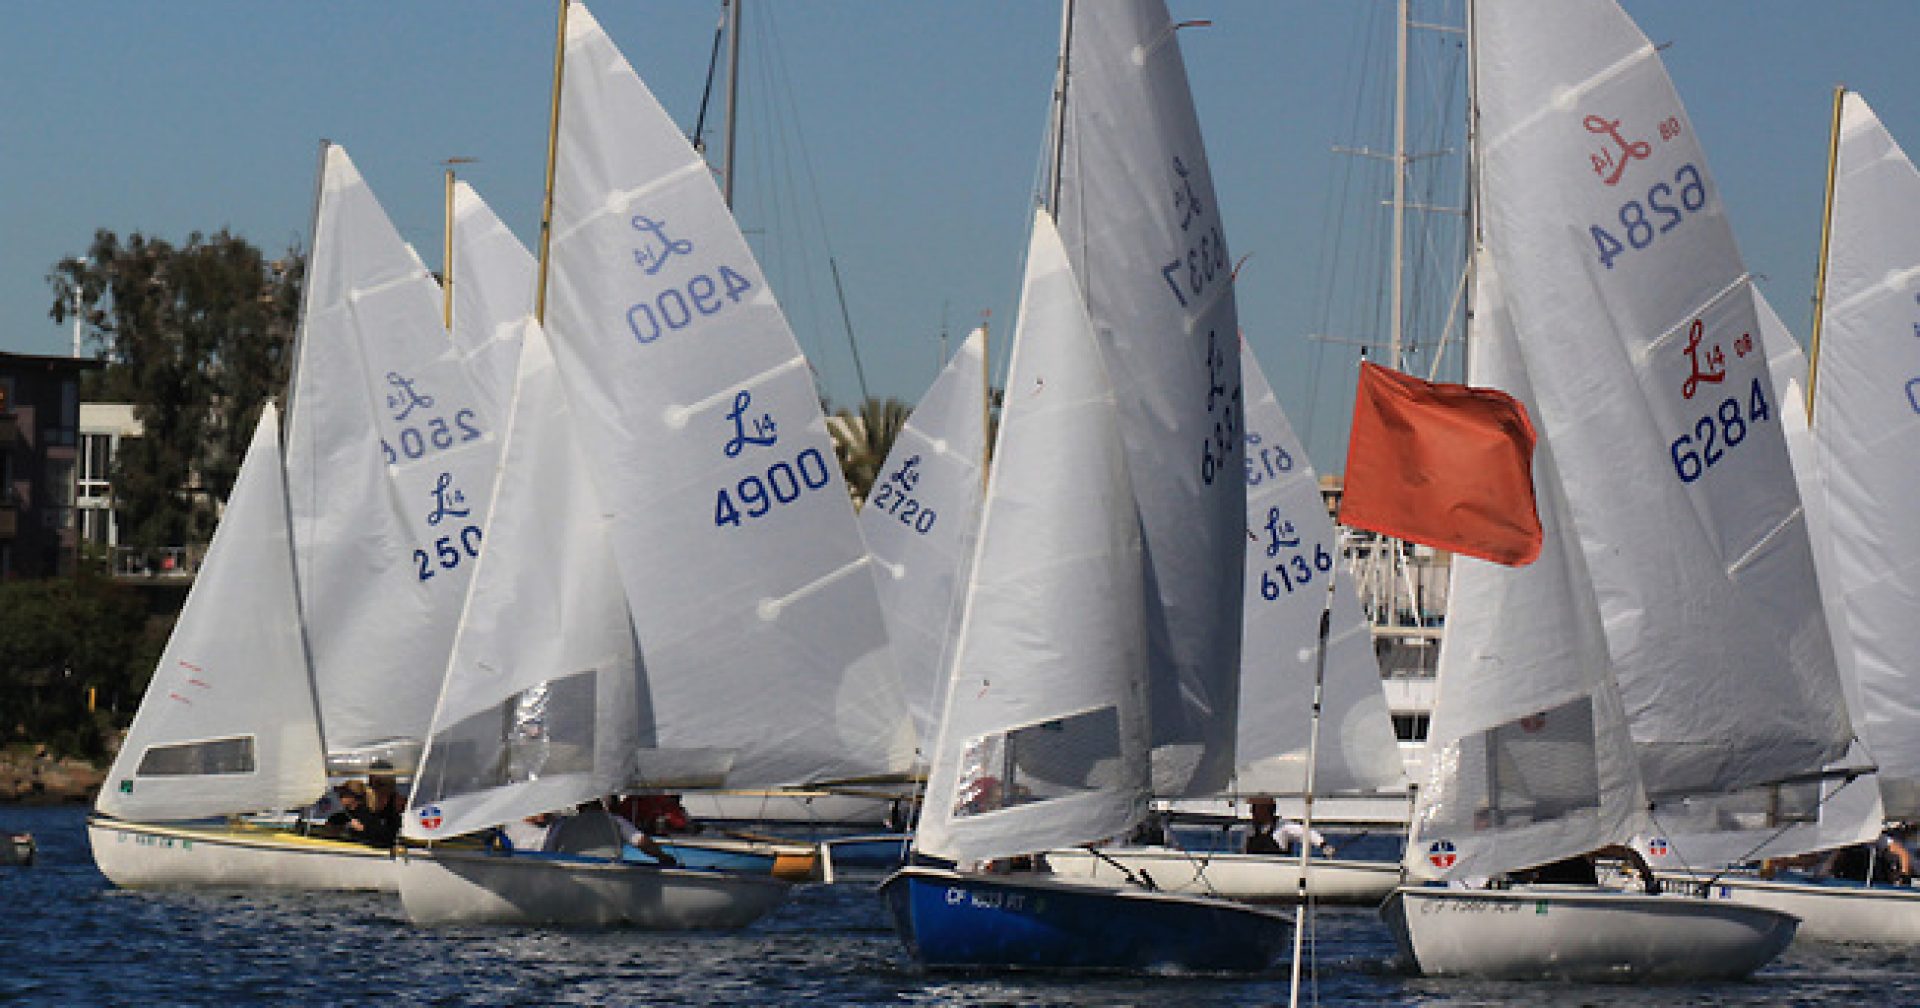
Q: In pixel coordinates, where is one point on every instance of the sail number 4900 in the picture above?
(783, 483)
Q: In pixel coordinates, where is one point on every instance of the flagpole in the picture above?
(553, 149)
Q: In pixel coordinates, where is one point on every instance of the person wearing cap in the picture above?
(383, 808)
(352, 820)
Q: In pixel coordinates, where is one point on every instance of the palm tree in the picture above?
(862, 440)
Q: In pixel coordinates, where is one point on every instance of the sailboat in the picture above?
(1859, 501)
(385, 459)
(707, 616)
(1060, 719)
(1669, 643)
(1291, 551)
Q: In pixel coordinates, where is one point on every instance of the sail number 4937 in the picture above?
(1717, 433)
(782, 483)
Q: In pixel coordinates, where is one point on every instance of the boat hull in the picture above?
(1249, 878)
(468, 887)
(865, 857)
(1843, 912)
(954, 920)
(1581, 933)
(155, 856)
(16, 849)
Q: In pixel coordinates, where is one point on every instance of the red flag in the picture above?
(1445, 465)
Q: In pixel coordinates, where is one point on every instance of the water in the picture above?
(72, 939)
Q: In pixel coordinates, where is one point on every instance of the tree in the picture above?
(197, 338)
(863, 439)
(60, 638)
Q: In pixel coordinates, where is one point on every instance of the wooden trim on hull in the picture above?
(152, 855)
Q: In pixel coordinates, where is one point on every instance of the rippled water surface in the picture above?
(69, 938)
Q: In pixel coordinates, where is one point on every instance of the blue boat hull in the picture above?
(954, 920)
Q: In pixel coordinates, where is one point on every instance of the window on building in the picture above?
(96, 467)
(1411, 727)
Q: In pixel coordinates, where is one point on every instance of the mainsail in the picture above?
(1142, 227)
(1635, 325)
(1866, 410)
(1042, 741)
(390, 454)
(1291, 551)
(228, 721)
(745, 574)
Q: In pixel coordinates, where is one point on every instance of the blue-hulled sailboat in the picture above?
(1096, 660)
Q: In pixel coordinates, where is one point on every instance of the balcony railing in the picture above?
(157, 562)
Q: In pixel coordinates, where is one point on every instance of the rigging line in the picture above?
(780, 69)
(699, 137)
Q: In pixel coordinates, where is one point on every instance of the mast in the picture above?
(1396, 307)
(553, 148)
(1826, 239)
(286, 429)
(733, 97)
(1059, 113)
(446, 258)
(1306, 793)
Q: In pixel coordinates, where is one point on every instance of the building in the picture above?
(39, 454)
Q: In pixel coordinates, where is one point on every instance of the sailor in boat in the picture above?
(383, 806)
(1271, 836)
(1883, 860)
(1582, 869)
(589, 830)
(354, 820)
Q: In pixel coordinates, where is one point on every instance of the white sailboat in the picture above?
(1860, 499)
(228, 723)
(1064, 710)
(710, 618)
(1291, 550)
(388, 454)
(1669, 643)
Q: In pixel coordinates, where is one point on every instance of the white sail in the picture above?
(1782, 820)
(1529, 759)
(1143, 230)
(228, 722)
(493, 278)
(541, 705)
(1291, 550)
(1043, 737)
(1635, 325)
(1866, 413)
(919, 522)
(748, 582)
(390, 459)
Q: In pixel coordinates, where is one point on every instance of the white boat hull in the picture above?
(1887, 915)
(1247, 878)
(790, 808)
(1581, 933)
(154, 856)
(441, 887)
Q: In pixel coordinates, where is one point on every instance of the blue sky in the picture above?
(904, 137)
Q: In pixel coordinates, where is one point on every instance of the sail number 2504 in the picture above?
(1717, 433)
(1665, 209)
(756, 494)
